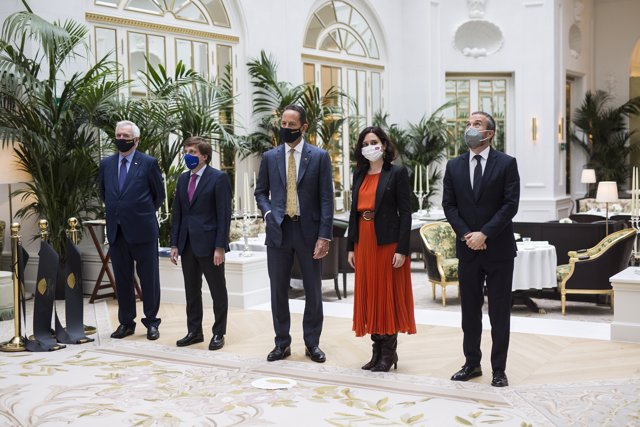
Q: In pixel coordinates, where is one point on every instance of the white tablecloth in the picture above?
(535, 266)
(256, 244)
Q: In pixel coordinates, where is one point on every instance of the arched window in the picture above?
(185, 32)
(340, 50)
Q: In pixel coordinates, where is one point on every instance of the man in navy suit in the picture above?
(481, 193)
(132, 190)
(200, 222)
(295, 195)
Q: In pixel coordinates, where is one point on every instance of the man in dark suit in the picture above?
(295, 195)
(132, 191)
(481, 193)
(200, 222)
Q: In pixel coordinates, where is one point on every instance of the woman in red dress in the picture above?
(378, 244)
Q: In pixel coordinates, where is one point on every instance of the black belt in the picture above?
(292, 218)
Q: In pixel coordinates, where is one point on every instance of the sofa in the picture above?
(567, 236)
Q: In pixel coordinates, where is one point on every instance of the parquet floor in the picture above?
(435, 351)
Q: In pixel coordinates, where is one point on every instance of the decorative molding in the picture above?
(326, 59)
(575, 41)
(476, 8)
(163, 28)
(534, 185)
(477, 38)
(533, 3)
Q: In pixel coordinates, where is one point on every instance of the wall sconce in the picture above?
(534, 129)
(561, 130)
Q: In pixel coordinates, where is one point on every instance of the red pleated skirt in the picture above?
(383, 297)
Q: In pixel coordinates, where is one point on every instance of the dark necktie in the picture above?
(122, 177)
(192, 187)
(477, 176)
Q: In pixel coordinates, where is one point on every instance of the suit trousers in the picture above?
(499, 277)
(145, 255)
(193, 267)
(280, 264)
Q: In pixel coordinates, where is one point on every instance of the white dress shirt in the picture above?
(472, 162)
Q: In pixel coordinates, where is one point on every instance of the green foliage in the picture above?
(50, 118)
(423, 144)
(604, 135)
(325, 114)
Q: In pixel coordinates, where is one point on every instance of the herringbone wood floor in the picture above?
(433, 351)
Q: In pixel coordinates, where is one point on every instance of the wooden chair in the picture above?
(439, 250)
(589, 270)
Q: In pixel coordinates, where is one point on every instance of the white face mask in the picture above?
(373, 152)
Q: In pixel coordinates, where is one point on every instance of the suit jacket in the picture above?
(492, 213)
(315, 193)
(392, 219)
(134, 208)
(207, 218)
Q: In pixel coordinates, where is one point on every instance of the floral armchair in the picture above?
(439, 242)
(589, 270)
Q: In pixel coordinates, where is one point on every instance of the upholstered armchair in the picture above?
(588, 270)
(439, 241)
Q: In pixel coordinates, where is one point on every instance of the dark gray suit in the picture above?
(197, 228)
(491, 213)
(286, 237)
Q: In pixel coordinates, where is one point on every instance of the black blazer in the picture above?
(134, 208)
(492, 213)
(392, 209)
(206, 220)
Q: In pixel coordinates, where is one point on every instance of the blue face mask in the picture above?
(191, 161)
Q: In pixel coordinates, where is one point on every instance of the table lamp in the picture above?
(11, 172)
(588, 177)
(607, 193)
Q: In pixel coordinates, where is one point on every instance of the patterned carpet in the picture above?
(111, 382)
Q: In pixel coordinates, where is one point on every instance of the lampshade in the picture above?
(10, 172)
(588, 176)
(607, 192)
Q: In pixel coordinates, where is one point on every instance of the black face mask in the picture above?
(289, 135)
(124, 145)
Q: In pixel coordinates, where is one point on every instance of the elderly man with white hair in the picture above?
(132, 190)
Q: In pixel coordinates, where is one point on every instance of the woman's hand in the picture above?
(351, 259)
(398, 260)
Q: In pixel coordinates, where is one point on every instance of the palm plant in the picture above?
(51, 120)
(325, 114)
(604, 134)
(178, 106)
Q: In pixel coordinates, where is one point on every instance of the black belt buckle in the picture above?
(293, 218)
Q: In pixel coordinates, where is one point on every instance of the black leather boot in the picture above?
(375, 352)
(388, 354)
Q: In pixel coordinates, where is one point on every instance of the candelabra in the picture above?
(247, 219)
(421, 196)
(162, 216)
(635, 223)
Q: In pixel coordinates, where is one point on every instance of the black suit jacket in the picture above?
(207, 219)
(392, 209)
(492, 213)
(134, 208)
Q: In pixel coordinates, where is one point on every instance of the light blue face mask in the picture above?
(473, 137)
(191, 161)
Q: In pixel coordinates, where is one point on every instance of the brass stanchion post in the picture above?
(72, 232)
(17, 342)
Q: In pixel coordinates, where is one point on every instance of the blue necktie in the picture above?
(477, 176)
(122, 177)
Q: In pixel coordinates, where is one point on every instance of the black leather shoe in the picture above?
(190, 338)
(153, 333)
(123, 331)
(217, 342)
(499, 379)
(279, 353)
(315, 354)
(466, 373)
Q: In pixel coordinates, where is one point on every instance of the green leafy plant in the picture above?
(51, 117)
(604, 135)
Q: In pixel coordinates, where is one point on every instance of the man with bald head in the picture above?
(132, 190)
